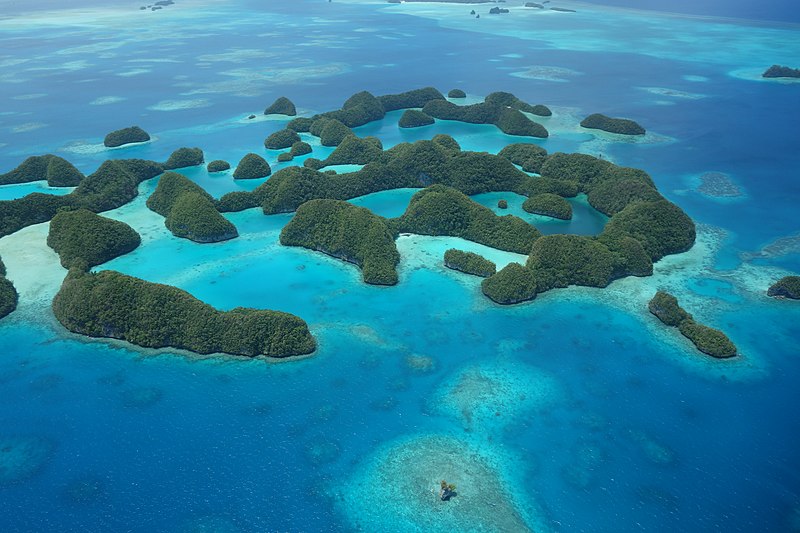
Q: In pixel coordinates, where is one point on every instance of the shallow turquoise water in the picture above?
(643, 433)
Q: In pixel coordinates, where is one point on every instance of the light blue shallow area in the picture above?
(644, 433)
(12, 192)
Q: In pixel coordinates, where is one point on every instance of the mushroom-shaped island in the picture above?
(184, 157)
(622, 126)
(252, 166)
(414, 118)
(456, 93)
(786, 287)
(133, 134)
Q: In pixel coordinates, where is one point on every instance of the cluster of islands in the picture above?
(493, 11)
(642, 227)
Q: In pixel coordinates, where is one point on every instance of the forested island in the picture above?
(8, 294)
(786, 287)
(110, 304)
(643, 226)
(622, 126)
(779, 71)
(133, 134)
(708, 340)
(57, 171)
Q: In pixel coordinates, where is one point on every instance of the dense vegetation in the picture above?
(410, 99)
(413, 118)
(469, 263)
(8, 294)
(623, 126)
(189, 210)
(218, 165)
(113, 184)
(786, 287)
(549, 205)
(281, 106)
(416, 164)
(502, 204)
(300, 124)
(530, 157)
(708, 340)
(57, 171)
(778, 71)
(505, 99)
(358, 110)
(563, 260)
(184, 157)
(300, 148)
(110, 304)
(440, 210)
(348, 232)
(456, 93)
(511, 121)
(84, 239)
(542, 185)
(611, 197)
(134, 134)
(661, 227)
(356, 151)
(252, 166)
(512, 284)
(281, 139)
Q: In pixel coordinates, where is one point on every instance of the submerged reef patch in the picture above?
(412, 471)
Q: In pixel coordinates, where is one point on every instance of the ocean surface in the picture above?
(575, 412)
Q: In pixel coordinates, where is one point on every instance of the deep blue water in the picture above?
(643, 433)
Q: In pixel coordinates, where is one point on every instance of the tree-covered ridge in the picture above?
(113, 184)
(133, 134)
(84, 239)
(786, 287)
(708, 340)
(416, 164)
(189, 211)
(509, 120)
(8, 294)
(469, 263)
(57, 171)
(347, 232)
(440, 210)
(622, 126)
(113, 305)
(281, 139)
(512, 284)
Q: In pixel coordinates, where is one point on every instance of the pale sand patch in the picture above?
(425, 251)
(34, 268)
(397, 489)
(106, 100)
(487, 396)
(179, 105)
(28, 126)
